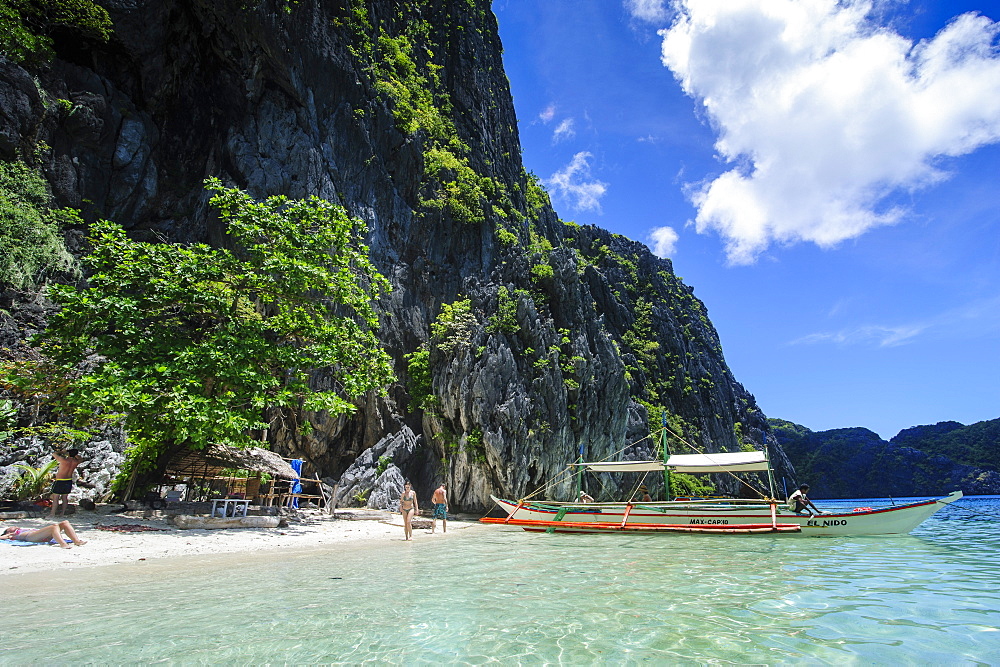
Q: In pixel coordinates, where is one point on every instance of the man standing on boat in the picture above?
(799, 502)
(440, 500)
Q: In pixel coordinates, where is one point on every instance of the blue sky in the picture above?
(825, 175)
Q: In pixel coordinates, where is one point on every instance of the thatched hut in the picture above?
(203, 471)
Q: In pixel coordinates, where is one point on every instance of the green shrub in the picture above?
(682, 484)
(26, 26)
(506, 237)
(8, 418)
(454, 325)
(419, 383)
(474, 446)
(505, 319)
(31, 243)
(542, 271)
(33, 481)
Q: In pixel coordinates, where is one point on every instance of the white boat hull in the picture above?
(679, 516)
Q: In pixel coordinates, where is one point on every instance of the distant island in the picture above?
(919, 461)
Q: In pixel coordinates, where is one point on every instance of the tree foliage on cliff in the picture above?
(405, 72)
(193, 343)
(27, 26)
(31, 243)
(857, 463)
(975, 445)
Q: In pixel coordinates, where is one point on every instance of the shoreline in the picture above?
(154, 538)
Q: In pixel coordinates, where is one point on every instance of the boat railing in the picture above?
(653, 504)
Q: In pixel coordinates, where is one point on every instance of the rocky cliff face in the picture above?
(857, 463)
(548, 336)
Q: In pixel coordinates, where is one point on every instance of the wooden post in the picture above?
(519, 506)
(628, 510)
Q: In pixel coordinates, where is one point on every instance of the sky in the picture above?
(825, 175)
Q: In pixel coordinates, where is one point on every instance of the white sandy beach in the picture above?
(108, 547)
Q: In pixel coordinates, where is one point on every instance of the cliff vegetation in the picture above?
(516, 338)
(920, 461)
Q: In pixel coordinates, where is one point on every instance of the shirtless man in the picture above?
(440, 500)
(64, 481)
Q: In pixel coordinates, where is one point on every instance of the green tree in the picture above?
(420, 383)
(454, 326)
(26, 26)
(505, 319)
(196, 342)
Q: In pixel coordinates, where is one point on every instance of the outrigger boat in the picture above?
(713, 516)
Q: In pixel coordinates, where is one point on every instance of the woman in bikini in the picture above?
(50, 533)
(408, 507)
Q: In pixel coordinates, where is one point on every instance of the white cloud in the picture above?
(824, 115)
(652, 11)
(664, 241)
(563, 131)
(880, 336)
(547, 114)
(969, 320)
(570, 184)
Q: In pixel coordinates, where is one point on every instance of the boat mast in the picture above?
(664, 447)
(579, 475)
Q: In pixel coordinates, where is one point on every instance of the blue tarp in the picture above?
(296, 485)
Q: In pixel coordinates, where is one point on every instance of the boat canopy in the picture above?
(690, 463)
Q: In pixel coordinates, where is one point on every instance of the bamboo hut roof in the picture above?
(209, 462)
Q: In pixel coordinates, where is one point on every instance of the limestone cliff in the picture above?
(553, 336)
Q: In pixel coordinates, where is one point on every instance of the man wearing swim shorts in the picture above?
(64, 481)
(440, 500)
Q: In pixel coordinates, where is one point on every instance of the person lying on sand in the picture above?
(50, 533)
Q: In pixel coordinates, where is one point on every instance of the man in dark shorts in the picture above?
(440, 500)
(64, 480)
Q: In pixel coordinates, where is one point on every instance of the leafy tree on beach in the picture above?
(190, 344)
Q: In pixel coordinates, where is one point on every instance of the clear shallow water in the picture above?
(497, 594)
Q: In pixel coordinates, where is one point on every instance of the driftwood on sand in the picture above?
(187, 521)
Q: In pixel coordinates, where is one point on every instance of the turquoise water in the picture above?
(497, 594)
